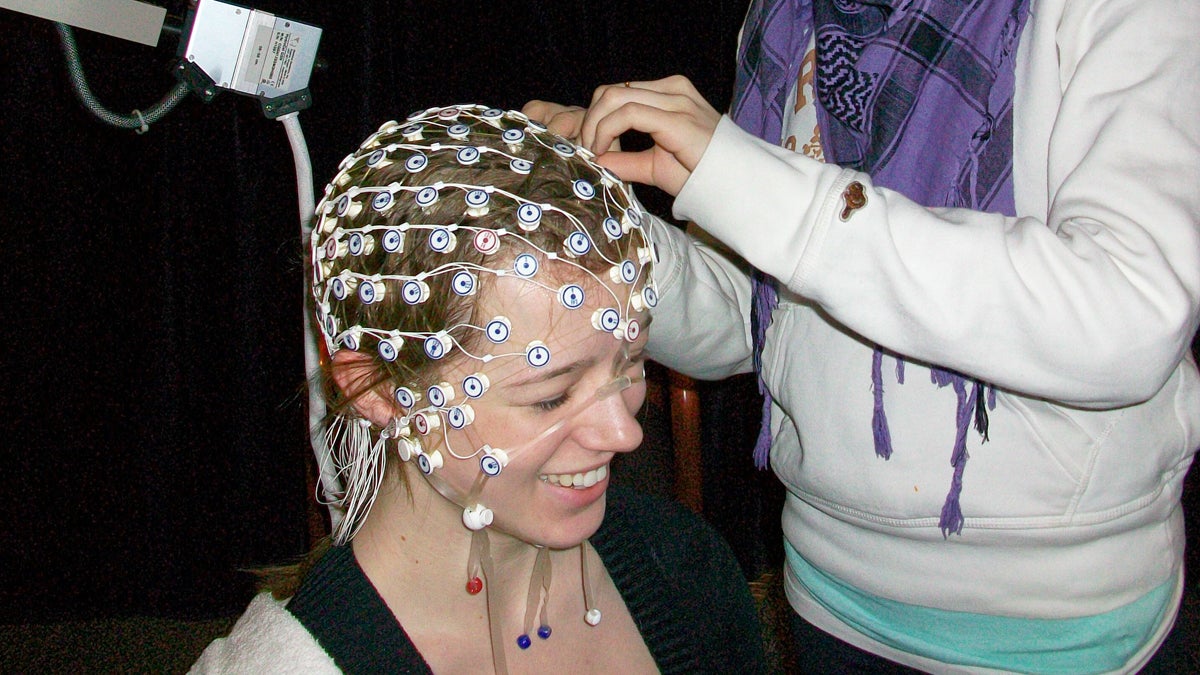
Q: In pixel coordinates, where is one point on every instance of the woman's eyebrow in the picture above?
(543, 376)
(619, 358)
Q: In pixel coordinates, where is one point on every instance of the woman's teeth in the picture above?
(577, 480)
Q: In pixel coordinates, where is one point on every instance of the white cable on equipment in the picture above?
(329, 484)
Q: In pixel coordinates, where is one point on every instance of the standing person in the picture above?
(981, 226)
(482, 288)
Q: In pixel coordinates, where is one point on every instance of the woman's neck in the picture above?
(414, 542)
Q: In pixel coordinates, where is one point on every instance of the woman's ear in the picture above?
(354, 374)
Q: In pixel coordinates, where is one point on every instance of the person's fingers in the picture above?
(560, 119)
(541, 110)
(674, 95)
(611, 98)
(674, 84)
(683, 134)
(567, 123)
(631, 167)
(670, 110)
(650, 167)
(682, 86)
(677, 85)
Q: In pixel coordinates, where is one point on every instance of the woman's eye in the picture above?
(552, 403)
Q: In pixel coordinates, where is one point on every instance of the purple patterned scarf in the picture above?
(773, 40)
(916, 93)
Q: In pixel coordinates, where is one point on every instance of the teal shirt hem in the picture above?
(1088, 644)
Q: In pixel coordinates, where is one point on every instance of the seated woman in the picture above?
(482, 288)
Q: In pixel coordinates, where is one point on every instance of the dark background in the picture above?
(153, 420)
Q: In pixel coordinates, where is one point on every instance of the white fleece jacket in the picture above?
(266, 639)
(1080, 311)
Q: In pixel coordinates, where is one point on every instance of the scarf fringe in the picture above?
(974, 400)
(879, 424)
(952, 519)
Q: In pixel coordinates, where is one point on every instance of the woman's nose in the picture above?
(610, 423)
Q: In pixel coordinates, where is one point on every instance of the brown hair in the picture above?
(549, 181)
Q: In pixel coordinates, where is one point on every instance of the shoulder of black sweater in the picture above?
(682, 584)
(666, 526)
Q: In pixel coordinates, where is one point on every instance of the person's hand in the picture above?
(670, 110)
(564, 120)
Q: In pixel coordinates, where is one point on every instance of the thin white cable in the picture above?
(330, 485)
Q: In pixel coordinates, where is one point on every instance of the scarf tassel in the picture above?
(983, 403)
(951, 520)
(879, 424)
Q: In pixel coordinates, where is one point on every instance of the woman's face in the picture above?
(559, 424)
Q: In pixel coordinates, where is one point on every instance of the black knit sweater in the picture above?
(678, 578)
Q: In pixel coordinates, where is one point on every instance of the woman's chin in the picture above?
(570, 530)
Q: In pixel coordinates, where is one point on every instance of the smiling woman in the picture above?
(483, 290)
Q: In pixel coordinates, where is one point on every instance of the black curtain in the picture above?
(154, 436)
